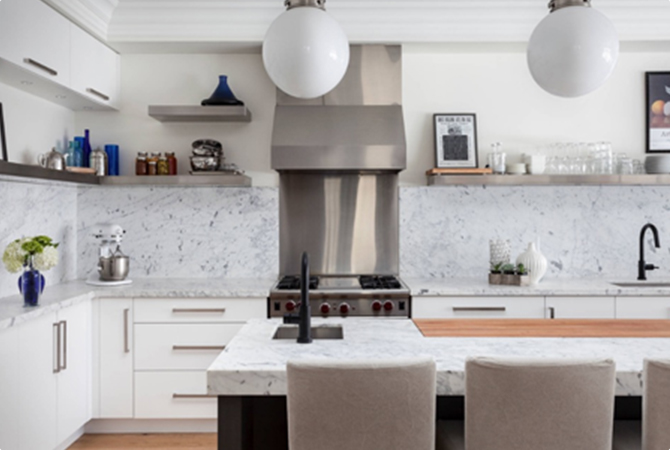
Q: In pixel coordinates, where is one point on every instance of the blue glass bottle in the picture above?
(78, 149)
(87, 149)
(31, 284)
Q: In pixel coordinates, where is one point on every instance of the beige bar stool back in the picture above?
(358, 405)
(535, 405)
(656, 410)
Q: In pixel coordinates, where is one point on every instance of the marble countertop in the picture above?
(63, 295)
(436, 287)
(254, 364)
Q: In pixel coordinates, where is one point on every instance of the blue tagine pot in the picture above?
(223, 95)
(31, 284)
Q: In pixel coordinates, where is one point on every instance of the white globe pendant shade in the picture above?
(573, 51)
(306, 52)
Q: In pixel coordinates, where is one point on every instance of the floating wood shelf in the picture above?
(12, 170)
(548, 180)
(200, 113)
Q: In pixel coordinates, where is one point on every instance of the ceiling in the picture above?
(224, 25)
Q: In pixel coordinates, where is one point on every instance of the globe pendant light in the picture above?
(305, 51)
(573, 50)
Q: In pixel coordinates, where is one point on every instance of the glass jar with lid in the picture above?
(162, 166)
(141, 166)
(152, 162)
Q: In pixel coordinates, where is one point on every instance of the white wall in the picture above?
(162, 79)
(512, 109)
(33, 125)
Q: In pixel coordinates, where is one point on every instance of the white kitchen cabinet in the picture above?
(38, 363)
(9, 388)
(116, 358)
(95, 68)
(643, 307)
(478, 307)
(74, 379)
(36, 38)
(173, 395)
(580, 308)
(210, 310)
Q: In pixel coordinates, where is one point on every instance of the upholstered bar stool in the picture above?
(538, 404)
(375, 405)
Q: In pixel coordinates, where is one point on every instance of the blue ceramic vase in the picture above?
(222, 96)
(31, 285)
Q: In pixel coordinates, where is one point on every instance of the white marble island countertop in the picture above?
(63, 295)
(254, 364)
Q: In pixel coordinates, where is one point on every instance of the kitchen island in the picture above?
(249, 377)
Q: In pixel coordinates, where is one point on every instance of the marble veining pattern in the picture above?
(254, 364)
(31, 209)
(204, 232)
(585, 231)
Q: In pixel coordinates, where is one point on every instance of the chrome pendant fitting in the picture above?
(555, 5)
(290, 4)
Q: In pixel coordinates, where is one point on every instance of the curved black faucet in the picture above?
(305, 331)
(642, 266)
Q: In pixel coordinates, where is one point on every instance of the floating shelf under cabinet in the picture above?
(200, 113)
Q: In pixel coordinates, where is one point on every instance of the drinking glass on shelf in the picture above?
(626, 166)
(496, 159)
(638, 167)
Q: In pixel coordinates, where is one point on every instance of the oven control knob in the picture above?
(325, 308)
(344, 308)
(388, 305)
(290, 305)
(376, 305)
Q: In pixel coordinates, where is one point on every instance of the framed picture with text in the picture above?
(455, 141)
(657, 107)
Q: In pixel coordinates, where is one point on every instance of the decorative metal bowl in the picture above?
(207, 147)
(205, 163)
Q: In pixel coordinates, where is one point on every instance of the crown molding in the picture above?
(93, 16)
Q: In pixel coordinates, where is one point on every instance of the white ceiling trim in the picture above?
(92, 15)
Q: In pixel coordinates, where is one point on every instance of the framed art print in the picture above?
(657, 107)
(455, 140)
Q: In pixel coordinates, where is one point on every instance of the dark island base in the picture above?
(260, 423)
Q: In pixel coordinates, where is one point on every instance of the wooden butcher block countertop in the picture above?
(545, 328)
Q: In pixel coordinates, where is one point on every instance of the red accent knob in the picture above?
(344, 308)
(376, 305)
(290, 305)
(325, 308)
(388, 305)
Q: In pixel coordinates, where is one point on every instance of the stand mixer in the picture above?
(113, 265)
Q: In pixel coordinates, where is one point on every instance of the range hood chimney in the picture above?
(358, 126)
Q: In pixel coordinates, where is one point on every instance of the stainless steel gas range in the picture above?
(338, 158)
(348, 296)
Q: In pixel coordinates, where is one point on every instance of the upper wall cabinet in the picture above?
(43, 53)
(95, 68)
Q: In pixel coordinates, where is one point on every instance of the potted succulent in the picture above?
(31, 255)
(508, 274)
(523, 279)
(495, 277)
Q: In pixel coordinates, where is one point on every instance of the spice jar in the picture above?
(172, 163)
(152, 162)
(162, 165)
(141, 166)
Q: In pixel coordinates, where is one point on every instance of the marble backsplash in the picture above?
(585, 231)
(203, 232)
(30, 209)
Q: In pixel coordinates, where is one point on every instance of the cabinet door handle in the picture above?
(98, 94)
(199, 347)
(126, 348)
(41, 66)
(479, 309)
(197, 310)
(55, 331)
(175, 395)
(64, 341)
(552, 312)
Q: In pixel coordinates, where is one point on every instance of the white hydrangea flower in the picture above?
(46, 260)
(14, 256)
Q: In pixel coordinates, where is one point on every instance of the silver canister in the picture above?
(52, 160)
(99, 162)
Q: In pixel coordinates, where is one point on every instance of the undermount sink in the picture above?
(643, 284)
(291, 332)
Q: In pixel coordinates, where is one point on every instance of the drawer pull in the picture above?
(126, 347)
(552, 312)
(39, 65)
(56, 329)
(199, 347)
(479, 309)
(193, 396)
(196, 310)
(64, 323)
(98, 94)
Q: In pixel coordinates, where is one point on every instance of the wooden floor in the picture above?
(145, 442)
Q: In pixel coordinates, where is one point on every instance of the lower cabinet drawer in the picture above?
(210, 310)
(643, 308)
(478, 307)
(173, 395)
(180, 346)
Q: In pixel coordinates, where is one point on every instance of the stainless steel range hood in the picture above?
(358, 126)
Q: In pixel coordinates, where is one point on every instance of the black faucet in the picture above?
(305, 332)
(642, 266)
